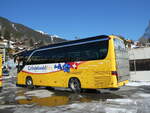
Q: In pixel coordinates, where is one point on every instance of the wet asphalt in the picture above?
(12, 96)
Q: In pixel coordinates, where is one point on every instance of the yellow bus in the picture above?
(0, 72)
(90, 63)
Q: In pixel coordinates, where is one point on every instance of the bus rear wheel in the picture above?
(74, 85)
(29, 83)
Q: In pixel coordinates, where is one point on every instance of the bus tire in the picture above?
(114, 89)
(0, 89)
(50, 88)
(29, 83)
(75, 85)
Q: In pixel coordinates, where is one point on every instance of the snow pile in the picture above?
(119, 110)
(77, 106)
(20, 98)
(1, 98)
(16, 107)
(145, 95)
(120, 101)
(7, 106)
(141, 83)
(39, 93)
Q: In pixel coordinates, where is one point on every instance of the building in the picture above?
(3, 50)
(140, 64)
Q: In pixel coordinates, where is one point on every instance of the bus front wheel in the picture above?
(74, 85)
(29, 83)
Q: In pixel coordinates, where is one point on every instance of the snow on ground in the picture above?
(73, 108)
(20, 97)
(124, 105)
(120, 101)
(144, 95)
(7, 106)
(39, 93)
(1, 98)
(139, 83)
(137, 101)
(16, 106)
(119, 110)
(94, 107)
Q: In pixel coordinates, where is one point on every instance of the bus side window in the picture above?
(85, 55)
(74, 56)
(102, 53)
(93, 54)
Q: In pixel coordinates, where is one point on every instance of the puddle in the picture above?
(57, 98)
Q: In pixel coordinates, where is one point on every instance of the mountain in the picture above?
(146, 36)
(21, 33)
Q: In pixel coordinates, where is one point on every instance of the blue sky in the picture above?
(80, 18)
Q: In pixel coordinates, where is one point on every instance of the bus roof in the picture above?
(28, 52)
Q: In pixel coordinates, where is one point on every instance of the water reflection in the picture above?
(63, 97)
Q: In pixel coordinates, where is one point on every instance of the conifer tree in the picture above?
(0, 35)
(7, 35)
(31, 43)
